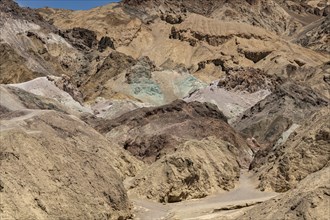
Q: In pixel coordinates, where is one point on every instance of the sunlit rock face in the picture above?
(213, 105)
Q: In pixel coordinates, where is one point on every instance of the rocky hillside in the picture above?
(306, 151)
(315, 35)
(310, 200)
(173, 138)
(57, 163)
(108, 112)
(196, 169)
(150, 133)
(288, 106)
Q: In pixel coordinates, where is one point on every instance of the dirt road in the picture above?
(224, 205)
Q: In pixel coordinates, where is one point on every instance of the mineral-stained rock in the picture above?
(114, 64)
(141, 71)
(151, 133)
(55, 166)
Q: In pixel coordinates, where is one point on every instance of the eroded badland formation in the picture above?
(161, 109)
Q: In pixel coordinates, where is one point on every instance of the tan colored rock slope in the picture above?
(190, 149)
(194, 170)
(59, 164)
(310, 200)
(307, 150)
(50, 159)
(290, 104)
(99, 97)
(201, 35)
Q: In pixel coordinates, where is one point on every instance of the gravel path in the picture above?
(237, 200)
